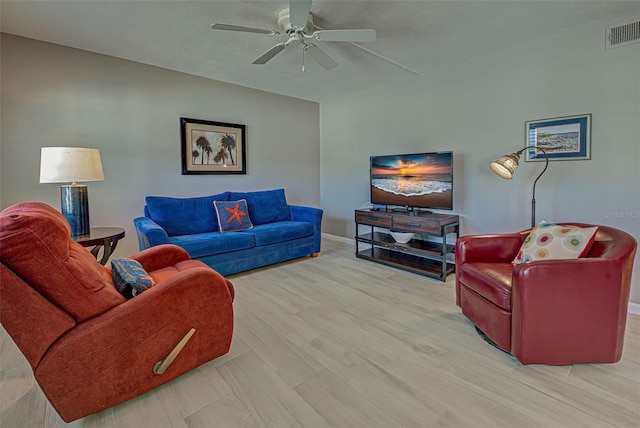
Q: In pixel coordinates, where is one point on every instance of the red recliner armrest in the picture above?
(160, 256)
(110, 359)
(568, 311)
(488, 248)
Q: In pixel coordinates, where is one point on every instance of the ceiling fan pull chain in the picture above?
(303, 49)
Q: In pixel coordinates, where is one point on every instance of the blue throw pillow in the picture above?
(265, 206)
(233, 215)
(130, 278)
(184, 216)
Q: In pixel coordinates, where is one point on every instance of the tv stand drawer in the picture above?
(374, 219)
(411, 223)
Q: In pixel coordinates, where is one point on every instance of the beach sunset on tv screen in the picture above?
(416, 180)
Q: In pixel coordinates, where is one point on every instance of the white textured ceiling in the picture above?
(420, 35)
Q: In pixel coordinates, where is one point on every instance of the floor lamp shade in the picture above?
(72, 164)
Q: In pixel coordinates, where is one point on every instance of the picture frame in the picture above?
(209, 147)
(563, 138)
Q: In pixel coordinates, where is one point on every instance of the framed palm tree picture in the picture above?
(213, 147)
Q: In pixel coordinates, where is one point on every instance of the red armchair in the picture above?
(552, 311)
(88, 346)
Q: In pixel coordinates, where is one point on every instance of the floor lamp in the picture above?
(507, 165)
(72, 164)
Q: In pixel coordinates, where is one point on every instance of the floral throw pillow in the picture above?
(233, 215)
(552, 241)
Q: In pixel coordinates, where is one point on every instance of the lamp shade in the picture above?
(506, 165)
(70, 164)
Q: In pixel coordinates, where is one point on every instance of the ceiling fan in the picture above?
(297, 24)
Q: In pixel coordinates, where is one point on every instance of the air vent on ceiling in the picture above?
(623, 34)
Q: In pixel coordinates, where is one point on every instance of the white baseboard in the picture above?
(338, 238)
(634, 308)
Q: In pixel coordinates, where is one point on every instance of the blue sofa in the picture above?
(280, 231)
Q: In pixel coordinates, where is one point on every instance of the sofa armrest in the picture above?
(562, 308)
(160, 256)
(488, 248)
(118, 349)
(311, 215)
(149, 233)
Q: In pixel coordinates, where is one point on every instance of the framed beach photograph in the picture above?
(563, 138)
(213, 147)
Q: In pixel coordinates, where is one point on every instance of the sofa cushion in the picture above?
(130, 278)
(35, 242)
(207, 244)
(281, 231)
(490, 280)
(265, 206)
(551, 241)
(232, 215)
(185, 216)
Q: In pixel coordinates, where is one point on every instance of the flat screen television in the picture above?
(421, 180)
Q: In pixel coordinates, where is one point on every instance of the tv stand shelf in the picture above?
(425, 254)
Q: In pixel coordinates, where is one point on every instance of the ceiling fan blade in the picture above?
(322, 58)
(228, 27)
(345, 35)
(270, 54)
(299, 12)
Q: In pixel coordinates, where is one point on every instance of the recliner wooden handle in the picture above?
(161, 366)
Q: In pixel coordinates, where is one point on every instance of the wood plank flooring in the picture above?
(335, 341)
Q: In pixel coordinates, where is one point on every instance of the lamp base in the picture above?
(74, 203)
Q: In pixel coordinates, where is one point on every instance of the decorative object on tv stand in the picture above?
(72, 164)
(402, 237)
(507, 165)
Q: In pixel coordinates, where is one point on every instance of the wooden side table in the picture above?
(101, 237)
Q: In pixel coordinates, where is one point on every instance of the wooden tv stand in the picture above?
(425, 254)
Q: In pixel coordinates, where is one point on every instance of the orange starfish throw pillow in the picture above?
(233, 215)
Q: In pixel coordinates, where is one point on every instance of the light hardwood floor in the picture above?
(335, 341)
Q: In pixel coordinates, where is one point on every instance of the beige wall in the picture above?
(479, 110)
(57, 96)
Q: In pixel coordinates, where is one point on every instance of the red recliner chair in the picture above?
(548, 311)
(88, 346)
